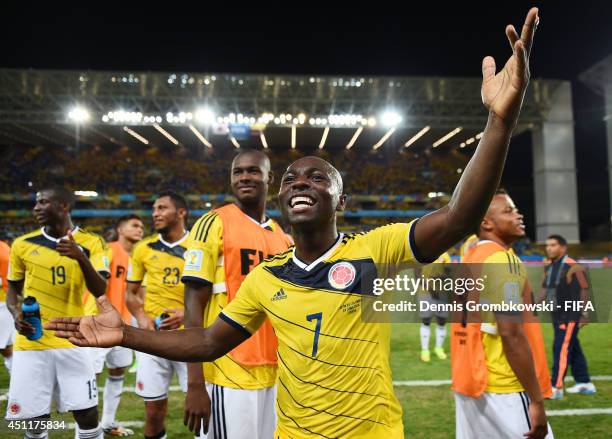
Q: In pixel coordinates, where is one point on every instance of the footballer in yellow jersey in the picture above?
(499, 365)
(338, 353)
(226, 244)
(334, 378)
(160, 259)
(54, 265)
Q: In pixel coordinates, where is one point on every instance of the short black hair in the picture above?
(61, 194)
(125, 218)
(560, 239)
(177, 199)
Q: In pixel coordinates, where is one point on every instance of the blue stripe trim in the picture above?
(235, 324)
(413, 247)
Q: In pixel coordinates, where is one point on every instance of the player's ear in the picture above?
(270, 177)
(486, 224)
(341, 203)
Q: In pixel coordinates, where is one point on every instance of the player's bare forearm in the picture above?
(442, 229)
(196, 297)
(14, 296)
(520, 358)
(187, 345)
(134, 299)
(94, 281)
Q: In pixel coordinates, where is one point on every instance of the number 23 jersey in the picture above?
(162, 262)
(334, 378)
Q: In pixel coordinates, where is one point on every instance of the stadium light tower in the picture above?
(78, 114)
(390, 118)
(205, 116)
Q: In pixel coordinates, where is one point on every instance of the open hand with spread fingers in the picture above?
(503, 93)
(103, 330)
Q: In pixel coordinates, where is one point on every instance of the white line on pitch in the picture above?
(579, 412)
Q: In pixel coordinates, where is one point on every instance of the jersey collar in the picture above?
(56, 240)
(308, 267)
(173, 244)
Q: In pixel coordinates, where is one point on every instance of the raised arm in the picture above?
(107, 329)
(502, 94)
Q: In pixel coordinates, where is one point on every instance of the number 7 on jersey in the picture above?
(318, 317)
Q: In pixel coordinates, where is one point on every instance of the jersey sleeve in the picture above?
(100, 257)
(245, 311)
(16, 269)
(204, 251)
(393, 244)
(136, 270)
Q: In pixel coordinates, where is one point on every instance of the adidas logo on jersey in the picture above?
(279, 295)
(34, 253)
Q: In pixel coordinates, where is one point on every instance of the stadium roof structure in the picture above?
(43, 107)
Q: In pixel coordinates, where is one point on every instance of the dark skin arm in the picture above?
(135, 304)
(518, 353)
(14, 298)
(107, 329)
(502, 95)
(94, 281)
(197, 400)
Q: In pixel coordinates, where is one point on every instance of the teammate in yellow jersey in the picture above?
(499, 365)
(226, 244)
(54, 264)
(160, 259)
(430, 307)
(334, 377)
(129, 230)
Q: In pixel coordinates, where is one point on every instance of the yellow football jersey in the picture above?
(334, 377)
(505, 278)
(56, 282)
(224, 371)
(162, 263)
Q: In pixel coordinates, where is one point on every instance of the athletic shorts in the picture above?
(39, 377)
(493, 415)
(428, 299)
(114, 357)
(7, 327)
(237, 413)
(154, 375)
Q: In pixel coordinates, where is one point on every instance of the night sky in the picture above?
(301, 38)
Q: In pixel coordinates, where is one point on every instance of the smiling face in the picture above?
(311, 192)
(250, 177)
(503, 219)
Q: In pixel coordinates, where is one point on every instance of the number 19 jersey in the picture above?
(56, 281)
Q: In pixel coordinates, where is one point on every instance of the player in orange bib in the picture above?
(7, 326)
(130, 230)
(225, 245)
(498, 362)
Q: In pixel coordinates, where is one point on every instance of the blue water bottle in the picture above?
(159, 319)
(30, 310)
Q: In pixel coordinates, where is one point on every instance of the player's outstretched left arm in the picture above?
(107, 329)
(94, 281)
(502, 94)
